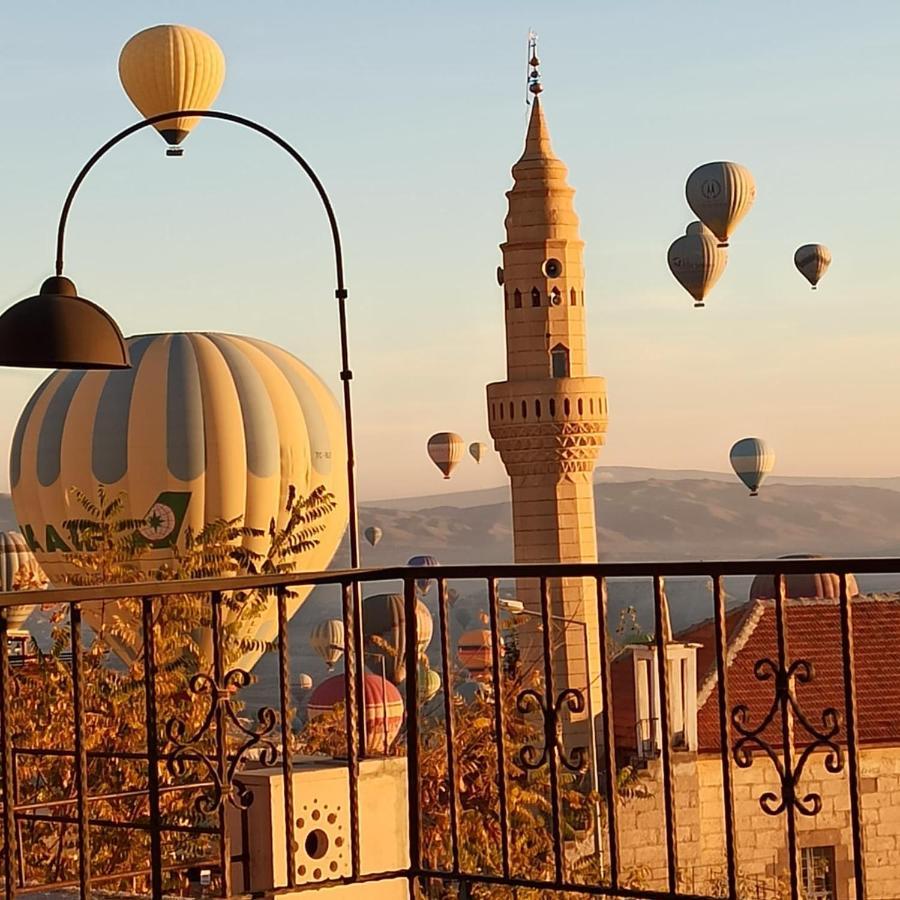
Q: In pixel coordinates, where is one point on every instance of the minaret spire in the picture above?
(548, 418)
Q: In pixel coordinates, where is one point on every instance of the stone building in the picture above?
(548, 418)
(824, 839)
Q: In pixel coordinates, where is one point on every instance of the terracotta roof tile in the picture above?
(813, 635)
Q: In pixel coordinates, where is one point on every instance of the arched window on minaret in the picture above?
(559, 361)
(517, 299)
(535, 297)
(572, 297)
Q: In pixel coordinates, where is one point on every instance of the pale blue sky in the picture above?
(413, 114)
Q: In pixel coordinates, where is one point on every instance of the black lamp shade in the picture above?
(57, 329)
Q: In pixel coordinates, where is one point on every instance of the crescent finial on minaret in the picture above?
(534, 75)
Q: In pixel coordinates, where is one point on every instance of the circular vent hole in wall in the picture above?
(316, 844)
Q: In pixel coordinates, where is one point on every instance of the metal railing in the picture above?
(181, 789)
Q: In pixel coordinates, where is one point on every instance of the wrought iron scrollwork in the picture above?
(195, 748)
(530, 757)
(751, 738)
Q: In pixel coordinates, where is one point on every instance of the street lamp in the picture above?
(58, 329)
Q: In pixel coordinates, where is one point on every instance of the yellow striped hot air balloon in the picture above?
(446, 449)
(720, 194)
(168, 68)
(19, 570)
(203, 427)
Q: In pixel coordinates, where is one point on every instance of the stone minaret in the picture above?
(548, 419)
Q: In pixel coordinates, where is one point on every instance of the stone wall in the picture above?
(761, 840)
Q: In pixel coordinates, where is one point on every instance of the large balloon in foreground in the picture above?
(477, 450)
(446, 450)
(168, 68)
(697, 261)
(327, 639)
(383, 708)
(204, 426)
(384, 631)
(720, 194)
(373, 535)
(812, 260)
(19, 571)
(752, 460)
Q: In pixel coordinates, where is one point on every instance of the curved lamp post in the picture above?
(58, 329)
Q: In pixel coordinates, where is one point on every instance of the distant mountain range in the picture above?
(659, 514)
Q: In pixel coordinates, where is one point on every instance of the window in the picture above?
(524, 410)
(501, 412)
(567, 408)
(572, 297)
(580, 407)
(517, 299)
(535, 297)
(559, 361)
(817, 873)
(512, 411)
(552, 404)
(537, 408)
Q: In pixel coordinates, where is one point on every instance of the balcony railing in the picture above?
(496, 783)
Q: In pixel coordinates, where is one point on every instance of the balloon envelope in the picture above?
(477, 450)
(697, 261)
(19, 571)
(820, 586)
(720, 194)
(383, 713)
(168, 68)
(752, 460)
(474, 652)
(423, 584)
(373, 535)
(812, 261)
(429, 683)
(384, 633)
(304, 681)
(203, 427)
(327, 639)
(446, 450)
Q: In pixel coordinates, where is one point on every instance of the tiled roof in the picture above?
(813, 635)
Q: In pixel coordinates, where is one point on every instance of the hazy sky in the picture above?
(413, 113)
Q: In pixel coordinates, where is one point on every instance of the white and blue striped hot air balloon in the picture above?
(752, 459)
(204, 426)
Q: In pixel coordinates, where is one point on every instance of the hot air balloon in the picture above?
(384, 625)
(429, 684)
(697, 261)
(821, 585)
(383, 713)
(720, 194)
(423, 584)
(446, 450)
(474, 652)
(812, 260)
(168, 68)
(203, 427)
(752, 460)
(19, 571)
(373, 535)
(304, 681)
(477, 450)
(327, 639)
